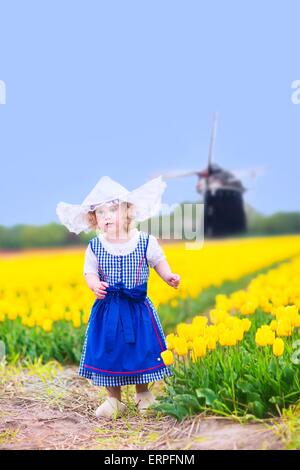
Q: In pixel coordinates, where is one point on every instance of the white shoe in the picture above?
(143, 400)
(110, 408)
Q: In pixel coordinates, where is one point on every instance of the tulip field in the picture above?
(235, 354)
(244, 359)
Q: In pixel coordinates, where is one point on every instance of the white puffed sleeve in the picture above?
(154, 253)
(90, 261)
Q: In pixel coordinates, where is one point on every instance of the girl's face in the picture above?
(111, 219)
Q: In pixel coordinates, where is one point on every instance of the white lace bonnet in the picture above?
(146, 200)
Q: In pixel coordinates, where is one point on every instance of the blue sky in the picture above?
(127, 89)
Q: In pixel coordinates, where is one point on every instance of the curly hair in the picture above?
(92, 218)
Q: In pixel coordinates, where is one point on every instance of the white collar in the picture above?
(123, 247)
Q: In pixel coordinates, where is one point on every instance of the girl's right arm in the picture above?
(97, 286)
(90, 271)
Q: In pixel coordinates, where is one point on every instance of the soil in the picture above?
(54, 409)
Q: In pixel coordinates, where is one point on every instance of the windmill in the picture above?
(222, 192)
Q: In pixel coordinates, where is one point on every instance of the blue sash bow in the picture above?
(116, 301)
(123, 337)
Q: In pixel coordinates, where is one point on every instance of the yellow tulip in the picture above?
(200, 320)
(76, 322)
(167, 357)
(218, 315)
(199, 325)
(284, 327)
(211, 343)
(85, 317)
(292, 314)
(260, 338)
(231, 339)
(223, 302)
(12, 315)
(239, 333)
(279, 312)
(227, 338)
(297, 321)
(68, 315)
(31, 322)
(246, 324)
(264, 336)
(174, 303)
(211, 330)
(278, 347)
(248, 308)
(183, 330)
(47, 324)
(270, 337)
(170, 341)
(199, 347)
(181, 347)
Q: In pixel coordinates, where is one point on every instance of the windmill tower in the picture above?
(222, 193)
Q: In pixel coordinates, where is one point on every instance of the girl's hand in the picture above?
(99, 289)
(173, 280)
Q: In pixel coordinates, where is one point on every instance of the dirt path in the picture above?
(47, 407)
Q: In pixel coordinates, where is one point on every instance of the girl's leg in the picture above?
(114, 392)
(110, 408)
(144, 397)
(141, 388)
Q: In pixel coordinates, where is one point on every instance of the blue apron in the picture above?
(122, 337)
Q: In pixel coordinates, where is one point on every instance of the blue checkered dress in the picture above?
(131, 269)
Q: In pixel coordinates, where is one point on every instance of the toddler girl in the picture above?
(124, 337)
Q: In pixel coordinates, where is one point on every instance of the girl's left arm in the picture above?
(164, 271)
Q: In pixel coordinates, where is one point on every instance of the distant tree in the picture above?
(54, 234)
